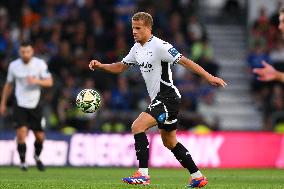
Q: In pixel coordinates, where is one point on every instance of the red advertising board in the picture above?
(226, 150)
(215, 150)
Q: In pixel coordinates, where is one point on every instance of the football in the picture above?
(88, 100)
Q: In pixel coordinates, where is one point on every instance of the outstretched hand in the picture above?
(94, 64)
(216, 81)
(267, 73)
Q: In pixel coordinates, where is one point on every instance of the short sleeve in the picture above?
(44, 73)
(169, 53)
(10, 75)
(130, 58)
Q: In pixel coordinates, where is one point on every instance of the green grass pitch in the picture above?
(108, 178)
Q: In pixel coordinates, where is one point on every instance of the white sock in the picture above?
(24, 164)
(197, 174)
(36, 158)
(143, 171)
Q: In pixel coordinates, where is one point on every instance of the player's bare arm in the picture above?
(115, 68)
(189, 64)
(41, 82)
(268, 73)
(7, 90)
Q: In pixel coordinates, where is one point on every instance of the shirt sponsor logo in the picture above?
(146, 67)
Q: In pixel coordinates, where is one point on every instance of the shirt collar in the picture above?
(150, 39)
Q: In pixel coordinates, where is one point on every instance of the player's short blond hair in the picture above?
(144, 16)
(281, 10)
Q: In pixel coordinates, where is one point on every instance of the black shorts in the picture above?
(165, 111)
(32, 118)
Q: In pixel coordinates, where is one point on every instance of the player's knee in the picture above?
(136, 128)
(21, 138)
(39, 140)
(39, 137)
(169, 144)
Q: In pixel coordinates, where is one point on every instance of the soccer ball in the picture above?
(88, 100)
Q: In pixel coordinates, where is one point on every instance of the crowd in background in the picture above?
(266, 43)
(67, 34)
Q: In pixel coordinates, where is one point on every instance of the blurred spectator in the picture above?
(121, 48)
(174, 25)
(29, 17)
(274, 19)
(259, 89)
(207, 109)
(62, 60)
(202, 53)
(49, 19)
(262, 22)
(194, 29)
(257, 39)
(121, 97)
(124, 9)
(201, 49)
(113, 125)
(13, 8)
(180, 43)
(188, 87)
